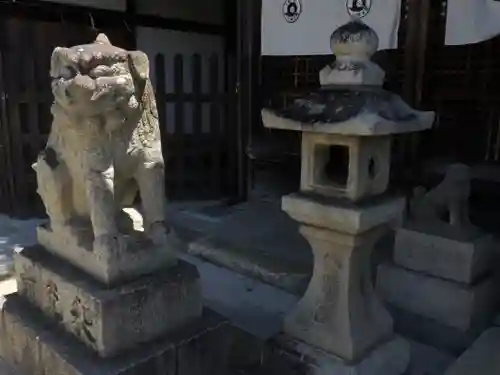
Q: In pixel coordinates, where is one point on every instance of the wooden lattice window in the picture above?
(461, 84)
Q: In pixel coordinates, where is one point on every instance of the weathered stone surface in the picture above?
(109, 265)
(481, 358)
(353, 44)
(462, 255)
(340, 313)
(341, 215)
(294, 357)
(109, 320)
(367, 165)
(351, 101)
(104, 147)
(362, 125)
(450, 303)
(33, 345)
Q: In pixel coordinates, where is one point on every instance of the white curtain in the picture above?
(471, 21)
(310, 33)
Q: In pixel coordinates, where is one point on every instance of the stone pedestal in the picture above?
(34, 344)
(62, 321)
(463, 256)
(444, 276)
(109, 320)
(455, 305)
(110, 265)
(340, 313)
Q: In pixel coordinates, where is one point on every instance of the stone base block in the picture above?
(33, 345)
(430, 332)
(456, 305)
(481, 358)
(109, 320)
(109, 264)
(444, 252)
(341, 215)
(294, 357)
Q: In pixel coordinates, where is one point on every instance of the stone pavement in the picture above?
(14, 234)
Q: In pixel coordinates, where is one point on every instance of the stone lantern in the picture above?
(343, 206)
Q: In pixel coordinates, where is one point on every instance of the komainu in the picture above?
(104, 146)
(447, 202)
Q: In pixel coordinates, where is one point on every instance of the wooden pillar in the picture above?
(415, 50)
(248, 106)
(130, 19)
(425, 11)
(414, 68)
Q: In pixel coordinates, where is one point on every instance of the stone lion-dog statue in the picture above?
(448, 202)
(104, 146)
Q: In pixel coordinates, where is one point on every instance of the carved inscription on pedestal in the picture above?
(52, 298)
(82, 321)
(330, 283)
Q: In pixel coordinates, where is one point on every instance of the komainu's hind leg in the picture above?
(150, 177)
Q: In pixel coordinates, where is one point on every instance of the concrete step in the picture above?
(252, 239)
(482, 358)
(259, 265)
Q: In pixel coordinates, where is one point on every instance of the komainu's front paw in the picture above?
(157, 233)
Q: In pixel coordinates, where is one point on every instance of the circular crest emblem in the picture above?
(292, 10)
(358, 8)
